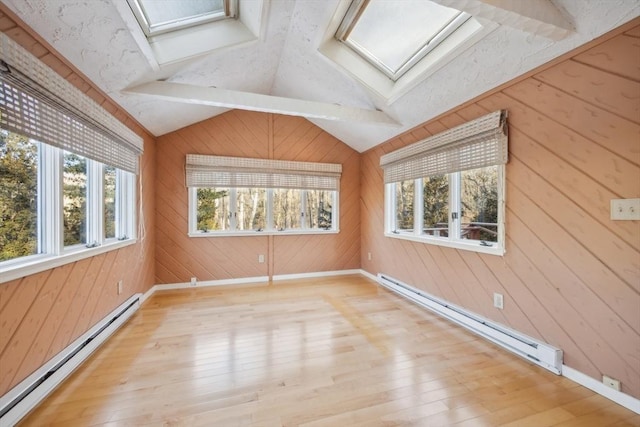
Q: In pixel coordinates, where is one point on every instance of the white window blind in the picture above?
(239, 172)
(476, 144)
(37, 102)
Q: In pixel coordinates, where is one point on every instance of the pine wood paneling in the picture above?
(570, 276)
(256, 135)
(43, 313)
(616, 94)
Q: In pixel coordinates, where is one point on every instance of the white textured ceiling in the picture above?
(285, 62)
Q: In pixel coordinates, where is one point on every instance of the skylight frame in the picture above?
(355, 12)
(230, 8)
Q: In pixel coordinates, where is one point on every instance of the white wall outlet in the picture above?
(369, 256)
(194, 281)
(611, 382)
(625, 209)
(498, 301)
(119, 287)
(261, 259)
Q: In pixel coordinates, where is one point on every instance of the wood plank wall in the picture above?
(43, 313)
(257, 135)
(570, 276)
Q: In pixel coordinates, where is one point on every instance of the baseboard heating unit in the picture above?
(538, 352)
(25, 396)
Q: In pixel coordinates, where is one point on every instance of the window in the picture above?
(319, 209)
(67, 170)
(371, 29)
(74, 196)
(110, 191)
(157, 17)
(29, 200)
(365, 40)
(243, 211)
(449, 189)
(460, 208)
(19, 166)
(242, 196)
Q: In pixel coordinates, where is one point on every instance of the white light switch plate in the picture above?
(625, 209)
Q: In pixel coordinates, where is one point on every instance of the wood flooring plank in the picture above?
(316, 352)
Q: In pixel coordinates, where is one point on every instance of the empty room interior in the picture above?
(320, 213)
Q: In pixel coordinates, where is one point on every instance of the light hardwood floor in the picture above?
(324, 352)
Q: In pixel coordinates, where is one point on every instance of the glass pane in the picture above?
(479, 202)
(286, 209)
(404, 205)
(377, 31)
(436, 205)
(109, 202)
(251, 208)
(74, 179)
(162, 12)
(18, 196)
(319, 209)
(213, 209)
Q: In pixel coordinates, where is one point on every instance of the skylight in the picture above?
(157, 17)
(395, 35)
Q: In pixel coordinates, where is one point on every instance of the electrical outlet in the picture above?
(369, 256)
(261, 259)
(498, 301)
(194, 281)
(611, 382)
(625, 209)
(119, 287)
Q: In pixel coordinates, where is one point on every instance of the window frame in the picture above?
(377, 82)
(356, 11)
(453, 240)
(50, 239)
(229, 11)
(270, 226)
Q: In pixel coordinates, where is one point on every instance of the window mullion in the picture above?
(233, 207)
(269, 226)
(193, 209)
(335, 211)
(454, 204)
(390, 206)
(303, 210)
(50, 195)
(95, 205)
(418, 207)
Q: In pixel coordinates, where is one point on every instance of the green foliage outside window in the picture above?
(479, 200)
(404, 205)
(436, 205)
(18, 196)
(75, 199)
(213, 208)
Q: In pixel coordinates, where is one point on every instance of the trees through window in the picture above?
(461, 209)
(238, 210)
(19, 167)
(54, 201)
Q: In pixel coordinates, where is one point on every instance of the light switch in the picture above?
(625, 209)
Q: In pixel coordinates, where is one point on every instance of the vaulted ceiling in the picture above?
(284, 66)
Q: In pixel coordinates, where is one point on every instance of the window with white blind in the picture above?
(67, 170)
(448, 189)
(244, 196)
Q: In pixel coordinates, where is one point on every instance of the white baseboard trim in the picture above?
(206, 283)
(315, 274)
(245, 280)
(368, 275)
(148, 294)
(25, 396)
(618, 397)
